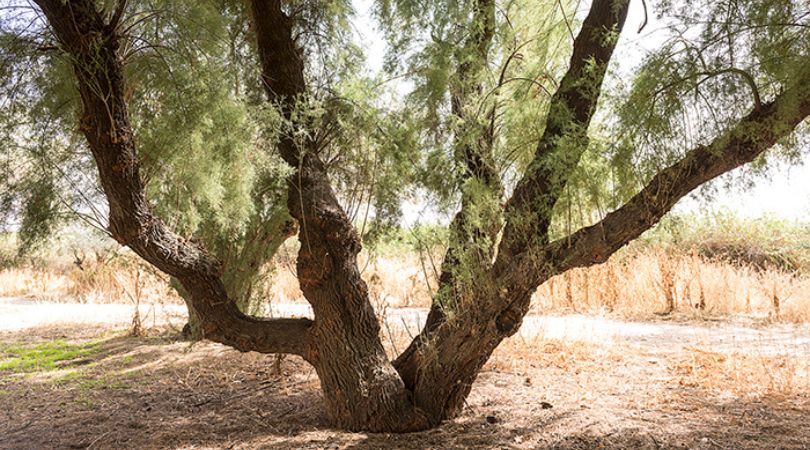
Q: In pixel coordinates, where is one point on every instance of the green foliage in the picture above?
(396, 241)
(722, 59)
(40, 175)
(43, 357)
(763, 242)
(719, 57)
(370, 153)
(203, 142)
(195, 134)
(39, 214)
(207, 140)
(430, 45)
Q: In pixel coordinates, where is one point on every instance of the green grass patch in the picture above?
(96, 381)
(43, 357)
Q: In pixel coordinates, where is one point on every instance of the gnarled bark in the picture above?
(564, 139)
(475, 227)
(93, 48)
(243, 263)
(362, 390)
(465, 344)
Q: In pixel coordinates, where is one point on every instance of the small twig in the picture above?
(643, 24)
(565, 19)
(98, 439)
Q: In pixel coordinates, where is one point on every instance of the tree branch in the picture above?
(472, 242)
(529, 211)
(117, 14)
(758, 131)
(361, 388)
(105, 122)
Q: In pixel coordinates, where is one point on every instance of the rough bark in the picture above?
(564, 139)
(362, 390)
(752, 135)
(455, 351)
(92, 46)
(474, 229)
(244, 259)
(464, 344)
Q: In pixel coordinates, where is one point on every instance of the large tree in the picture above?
(510, 153)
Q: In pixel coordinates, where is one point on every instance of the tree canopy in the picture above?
(203, 134)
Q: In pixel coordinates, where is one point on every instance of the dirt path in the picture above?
(567, 382)
(659, 336)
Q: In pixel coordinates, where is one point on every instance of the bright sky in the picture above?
(785, 194)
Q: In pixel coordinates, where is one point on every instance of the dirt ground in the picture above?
(159, 392)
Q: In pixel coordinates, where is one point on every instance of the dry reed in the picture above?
(637, 283)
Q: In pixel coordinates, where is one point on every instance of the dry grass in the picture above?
(106, 278)
(653, 281)
(405, 280)
(638, 283)
(741, 374)
(40, 283)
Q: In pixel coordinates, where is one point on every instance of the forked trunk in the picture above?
(362, 389)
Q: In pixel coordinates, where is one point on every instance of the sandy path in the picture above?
(656, 337)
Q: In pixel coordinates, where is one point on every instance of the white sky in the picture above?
(785, 194)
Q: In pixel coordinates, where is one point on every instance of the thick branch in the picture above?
(92, 46)
(329, 242)
(564, 140)
(529, 210)
(362, 389)
(758, 131)
(474, 139)
(472, 239)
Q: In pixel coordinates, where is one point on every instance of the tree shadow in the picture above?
(160, 392)
(736, 423)
(157, 391)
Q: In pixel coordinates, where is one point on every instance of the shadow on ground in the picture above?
(159, 392)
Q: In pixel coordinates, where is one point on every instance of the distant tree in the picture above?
(497, 122)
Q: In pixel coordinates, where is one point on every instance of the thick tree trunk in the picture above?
(362, 390)
(466, 343)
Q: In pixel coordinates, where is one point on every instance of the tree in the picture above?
(195, 135)
(755, 85)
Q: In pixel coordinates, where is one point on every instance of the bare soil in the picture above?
(159, 392)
